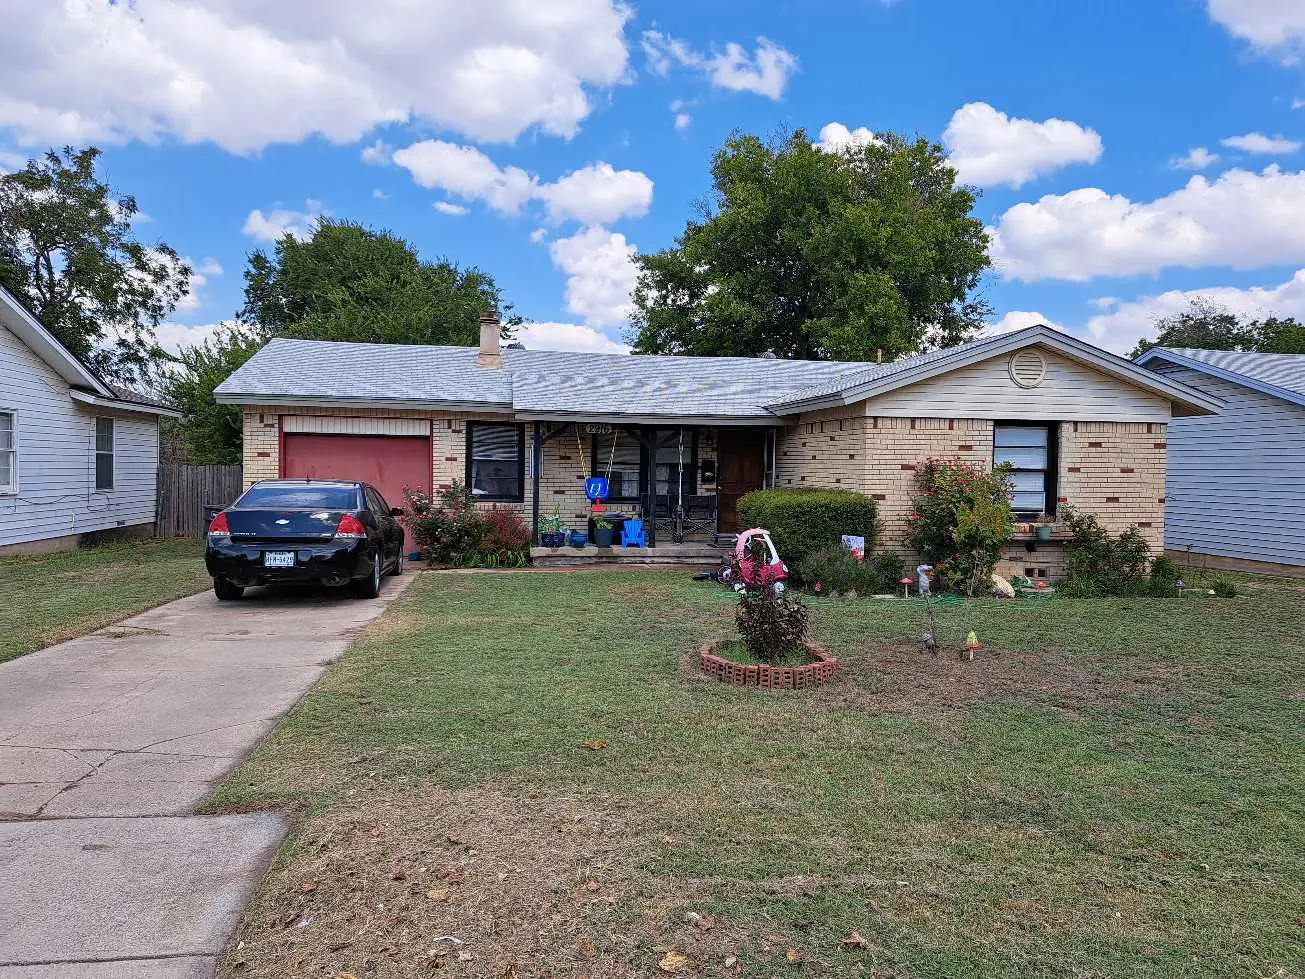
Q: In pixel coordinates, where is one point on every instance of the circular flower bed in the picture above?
(819, 671)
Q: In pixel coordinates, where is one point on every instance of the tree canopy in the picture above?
(68, 250)
(210, 432)
(1206, 325)
(350, 282)
(808, 254)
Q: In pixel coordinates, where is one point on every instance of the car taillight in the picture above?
(219, 527)
(350, 526)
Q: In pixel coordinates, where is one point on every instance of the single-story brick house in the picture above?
(524, 428)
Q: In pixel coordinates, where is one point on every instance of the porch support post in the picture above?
(536, 460)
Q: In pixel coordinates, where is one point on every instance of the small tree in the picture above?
(960, 521)
(210, 432)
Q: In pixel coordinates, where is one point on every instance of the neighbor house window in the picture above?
(104, 453)
(1031, 452)
(496, 457)
(8, 452)
(623, 453)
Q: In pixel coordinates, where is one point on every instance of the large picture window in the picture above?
(624, 453)
(8, 452)
(1031, 452)
(104, 453)
(496, 456)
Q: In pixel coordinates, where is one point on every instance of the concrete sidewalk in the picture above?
(107, 741)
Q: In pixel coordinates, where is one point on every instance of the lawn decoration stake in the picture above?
(930, 639)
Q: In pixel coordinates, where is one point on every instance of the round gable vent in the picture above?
(1027, 368)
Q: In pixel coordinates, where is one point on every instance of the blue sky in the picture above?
(1131, 154)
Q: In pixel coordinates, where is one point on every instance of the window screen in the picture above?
(104, 453)
(495, 461)
(625, 462)
(1028, 450)
(8, 452)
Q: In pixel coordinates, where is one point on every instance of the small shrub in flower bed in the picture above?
(773, 627)
(960, 521)
(1098, 565)
(452, 530)
(834, 569)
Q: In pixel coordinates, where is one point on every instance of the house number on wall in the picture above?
(598, 429)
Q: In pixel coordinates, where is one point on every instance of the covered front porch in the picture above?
(683, 482)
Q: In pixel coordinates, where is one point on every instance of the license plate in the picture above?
(278, 559)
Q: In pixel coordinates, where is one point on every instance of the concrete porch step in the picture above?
(690, 552)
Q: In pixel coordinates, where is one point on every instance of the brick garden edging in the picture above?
(770, 677)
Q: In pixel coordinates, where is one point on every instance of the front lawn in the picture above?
(523, 775)
(47, 598)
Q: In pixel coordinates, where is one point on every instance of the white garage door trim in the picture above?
(344, 425)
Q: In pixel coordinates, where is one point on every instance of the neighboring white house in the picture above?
(76, 456)
(1236, 480)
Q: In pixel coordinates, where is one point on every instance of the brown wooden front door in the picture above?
(740, 470)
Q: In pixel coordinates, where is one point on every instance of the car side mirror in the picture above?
(396, 511)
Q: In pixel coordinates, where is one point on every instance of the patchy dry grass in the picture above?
(1114, 788)
(48, 598)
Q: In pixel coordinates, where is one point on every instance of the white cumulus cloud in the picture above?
(172, 337)
(835, 137)
(1122, 324)
(594, 194)
(568, 336)
(1019, 320)
(283, 221)
(1261, 144)
(200, 273)
(766, 71)
(245, 75)
(1197, 158)
(448, 207)
(1242, 220)
(1270, 25)
(988, 148)
(600, 274)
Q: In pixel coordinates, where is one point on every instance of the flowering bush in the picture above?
(960, 520)
(451, 530)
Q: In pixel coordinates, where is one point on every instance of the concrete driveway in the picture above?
(107, 742)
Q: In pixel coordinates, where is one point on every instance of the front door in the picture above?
(740, 469)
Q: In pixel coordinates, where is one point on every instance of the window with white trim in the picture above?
(1031, 452)
(8, 452)
(103, 453)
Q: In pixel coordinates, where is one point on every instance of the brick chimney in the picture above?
(491, 354)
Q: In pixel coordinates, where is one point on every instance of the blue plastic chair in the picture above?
(632, 534)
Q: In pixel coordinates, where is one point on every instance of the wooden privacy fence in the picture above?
(184, 491)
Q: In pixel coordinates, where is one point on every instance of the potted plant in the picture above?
(603, 532)
(578, 539)
(1044, 527)
(551, 531)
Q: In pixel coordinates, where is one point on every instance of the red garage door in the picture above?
(388, 462)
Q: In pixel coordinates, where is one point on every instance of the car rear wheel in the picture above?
(370, 586)
(397, 568)
(225, 590)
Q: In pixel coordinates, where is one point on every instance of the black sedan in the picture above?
(331, 531)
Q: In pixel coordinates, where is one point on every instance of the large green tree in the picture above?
(803, 253)
(210, 432)
(68, 250)
(350, 282)
(1206, 325)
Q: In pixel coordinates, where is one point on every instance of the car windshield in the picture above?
(299, 498)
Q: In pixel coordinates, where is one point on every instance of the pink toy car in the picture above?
(769, 572)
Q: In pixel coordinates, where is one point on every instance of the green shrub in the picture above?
(960, 521)
(1223, 588)
(772, 626)
(451, 529)
(1098, 565)
(802, 521)
(834, 569)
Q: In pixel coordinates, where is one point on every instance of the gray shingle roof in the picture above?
(1284, 371)
(531, 382)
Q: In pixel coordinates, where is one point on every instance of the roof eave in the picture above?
(16, 317)
(1255, 384)
(636, 418)
(117, 404)
(397, 404)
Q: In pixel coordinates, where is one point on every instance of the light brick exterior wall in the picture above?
(1115, 470)
(562, 480)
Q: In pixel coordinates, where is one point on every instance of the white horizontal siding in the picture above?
(1236, 481)
(345, 425)
(56, 456)
(1068, 392)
